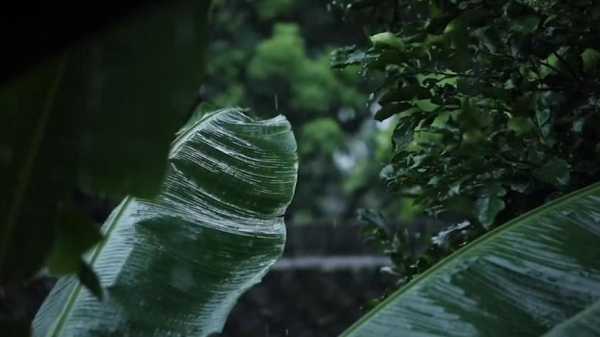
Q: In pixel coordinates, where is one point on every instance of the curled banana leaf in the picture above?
(175, 265)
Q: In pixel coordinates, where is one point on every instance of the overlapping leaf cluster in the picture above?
(413, 250)
(497, 102)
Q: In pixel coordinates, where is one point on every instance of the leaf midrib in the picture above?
(77, 289)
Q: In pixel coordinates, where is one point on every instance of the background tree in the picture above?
(495, 102)
(273, 56)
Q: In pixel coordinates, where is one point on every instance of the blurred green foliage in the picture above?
(321, 135)
(313, 85)
(270, 9)
(274, 57)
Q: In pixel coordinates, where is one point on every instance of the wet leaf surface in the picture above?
(175, 265)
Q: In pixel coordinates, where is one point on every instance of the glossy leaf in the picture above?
(506, 82)
(489, 204)
(387, 39)
(175, 265)
(99, 117)
(520, 280)
(584, 324)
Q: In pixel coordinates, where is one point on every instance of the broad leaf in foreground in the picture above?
(584, 324)
(175, 265)
(99, 117)
(522, 279)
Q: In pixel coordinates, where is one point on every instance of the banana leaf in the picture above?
(584, 324)
(175, 265)
(98, 118)
(522, 279)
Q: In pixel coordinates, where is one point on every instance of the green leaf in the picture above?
(489, 37)
(75, 234)
(348, 56)
(99, 118)
(89, 279)
(404, 133)
(426, 105)
(590, 58)
(442, 119)
(135, 84)
(386, 39)
(489, 203)
(457, 31)
(546, 106)
(585, 323)
(555, 172)
(520, 125)
(176, 264)
(390, 109)
(521, 279)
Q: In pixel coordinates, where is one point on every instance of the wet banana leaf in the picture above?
(175, 265)
(522, 279)
(97, 118)
(584, 324)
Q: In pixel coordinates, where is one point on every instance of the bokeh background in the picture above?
(274, 56)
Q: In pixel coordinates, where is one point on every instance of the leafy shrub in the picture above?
(496, 101)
